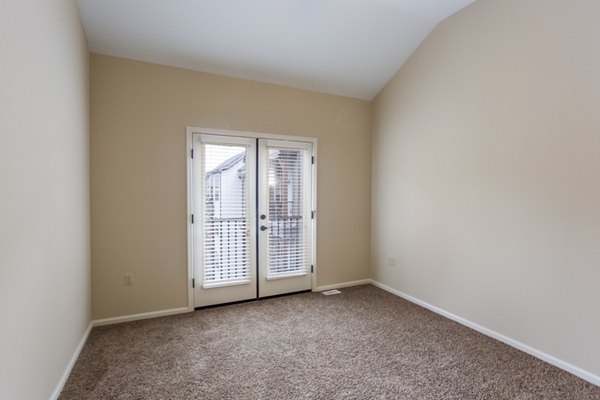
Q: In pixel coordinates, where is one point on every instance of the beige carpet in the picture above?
(362, 344)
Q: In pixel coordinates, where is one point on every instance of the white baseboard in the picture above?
(67, 372)
(583, 374)
(342, 285)
(136, 317)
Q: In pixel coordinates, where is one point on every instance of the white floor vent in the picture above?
(331, 292)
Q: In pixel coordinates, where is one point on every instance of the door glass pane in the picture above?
(289, 244)
(226, 241)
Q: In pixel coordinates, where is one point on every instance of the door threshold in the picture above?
(285, 294)
(251, 300)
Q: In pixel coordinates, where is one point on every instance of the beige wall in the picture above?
(44, 194)
(139, 115)
(486, 173)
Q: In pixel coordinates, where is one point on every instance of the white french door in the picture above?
(224, 219)
(252, 218)
(285, 208)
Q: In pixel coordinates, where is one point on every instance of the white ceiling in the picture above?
(345, 47)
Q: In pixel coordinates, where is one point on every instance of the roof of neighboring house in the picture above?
(230, 162)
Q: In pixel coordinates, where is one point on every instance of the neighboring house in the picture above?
(225, 186)
(225, 189)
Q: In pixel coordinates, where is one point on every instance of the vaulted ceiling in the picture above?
(344, 47)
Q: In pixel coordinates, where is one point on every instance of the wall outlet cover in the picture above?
(128, 279)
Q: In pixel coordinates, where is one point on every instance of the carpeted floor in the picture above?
(362, 344)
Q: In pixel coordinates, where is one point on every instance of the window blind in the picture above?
(289, 250)
(225, 217)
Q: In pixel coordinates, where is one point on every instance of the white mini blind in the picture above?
(290, 240)
(226, 224)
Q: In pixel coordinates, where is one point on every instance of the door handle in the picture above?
(264, 228)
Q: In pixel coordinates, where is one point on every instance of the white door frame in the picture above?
(190, 131)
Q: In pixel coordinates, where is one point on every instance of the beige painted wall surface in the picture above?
(486, 173)
(139, 115)
(44, 194)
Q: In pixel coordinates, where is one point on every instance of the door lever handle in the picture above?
(264, 228)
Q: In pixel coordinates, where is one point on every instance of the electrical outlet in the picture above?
(392, 261)
(128, 280)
